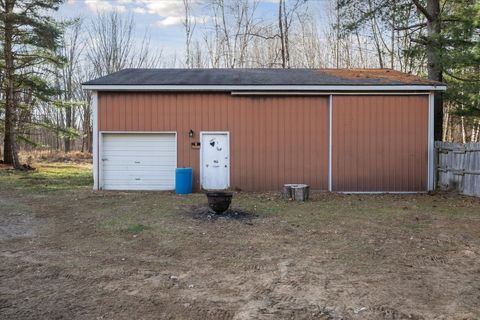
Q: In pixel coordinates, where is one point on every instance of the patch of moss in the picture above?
(48, 177)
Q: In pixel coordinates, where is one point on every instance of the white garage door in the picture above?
(140, 161)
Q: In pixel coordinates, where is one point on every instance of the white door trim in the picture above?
(100, 148)
(227, 133)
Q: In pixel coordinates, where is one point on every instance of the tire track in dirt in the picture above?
(279, 297)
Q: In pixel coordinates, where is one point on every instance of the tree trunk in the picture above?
(68, 125)
(282, 35)
(10, 155)
(434, 61)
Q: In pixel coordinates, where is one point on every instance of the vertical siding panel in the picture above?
(231, 127)
(140, 102)
(422, 104)
(390, 133)
(409, 141)
(255, 141)
(385, 151)
(274, 140)
(300, 143)
(257, 178)
(346, 111)
(113, 115)
(374, 147)
(152, 112)
(413, 182)
(102, 106)
(382, 118)
(154, 116)
(321, 171)
(181, 123)
(288, 141)
(107, 113)
(362, 111)
(134, 112)
(275, 172)
(165, 120)
(335, 127)
(417, 152)
(291, 143)
(342, 148)
(266, 143)
(111, 120)
(111, 112)
(404, 144)
(308, 145)
(313, 106)
(170, 99)
(123, 112)
(247, 119)
(233, 136)
(299, 126)
(265, 147)
(238, 138)
(281, 140)
(185, 100)
(343, 136)
(128, 111)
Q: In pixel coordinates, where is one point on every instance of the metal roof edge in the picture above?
(279, 88)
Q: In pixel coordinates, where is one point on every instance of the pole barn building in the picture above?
(362, 130)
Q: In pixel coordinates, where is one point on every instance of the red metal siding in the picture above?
(380, 143)
(273, 140)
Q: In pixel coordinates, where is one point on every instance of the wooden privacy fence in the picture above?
(458, 167)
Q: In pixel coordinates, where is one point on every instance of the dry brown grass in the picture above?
(67, 252)
(36, 156)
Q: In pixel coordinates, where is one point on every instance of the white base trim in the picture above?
(381, 192)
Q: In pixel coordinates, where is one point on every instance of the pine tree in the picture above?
(29, 38)
(446, 33)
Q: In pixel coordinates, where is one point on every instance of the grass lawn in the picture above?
(70, 253)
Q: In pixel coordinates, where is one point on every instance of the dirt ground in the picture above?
(67, 252)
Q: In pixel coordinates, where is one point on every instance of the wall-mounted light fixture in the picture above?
(191, 133)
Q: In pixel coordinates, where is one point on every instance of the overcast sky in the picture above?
(163, 18)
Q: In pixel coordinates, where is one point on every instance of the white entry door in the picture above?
(138, 161)
(215, 160)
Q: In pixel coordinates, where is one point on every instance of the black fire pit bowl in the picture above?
(219, 201)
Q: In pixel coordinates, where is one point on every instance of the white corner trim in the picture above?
(95, 147)
(330, 130)
(431, 144)
(379, 192)
(380, 88)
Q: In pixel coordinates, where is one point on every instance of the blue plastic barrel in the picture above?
(183, 180)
